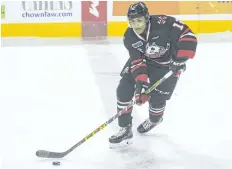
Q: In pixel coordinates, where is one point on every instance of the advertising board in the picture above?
(94, 19)
(105, 18)
(177, 7)
(201, 16)
(42, 11)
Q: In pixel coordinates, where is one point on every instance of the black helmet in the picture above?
(137, 10)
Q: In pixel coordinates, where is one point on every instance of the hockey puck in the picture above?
(56, 163)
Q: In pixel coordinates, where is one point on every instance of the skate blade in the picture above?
(123, 144)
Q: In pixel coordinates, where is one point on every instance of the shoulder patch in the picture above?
(162, 19)
(137, 44)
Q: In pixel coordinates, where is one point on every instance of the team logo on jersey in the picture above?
(156, 51)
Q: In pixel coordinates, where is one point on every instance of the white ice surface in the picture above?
(51, 97)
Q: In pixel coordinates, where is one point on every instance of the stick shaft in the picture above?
(48, 154)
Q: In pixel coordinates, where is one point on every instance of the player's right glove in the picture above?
(177, 67)
(140, 97)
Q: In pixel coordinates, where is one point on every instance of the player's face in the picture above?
(138, 24)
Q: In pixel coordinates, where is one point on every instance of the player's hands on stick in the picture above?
(140, 97)
(177, 67)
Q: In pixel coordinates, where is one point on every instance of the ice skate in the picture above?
(147, 125)
(122, 139)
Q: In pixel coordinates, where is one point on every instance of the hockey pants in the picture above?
(159, 96)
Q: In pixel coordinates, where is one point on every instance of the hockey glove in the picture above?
(177, 67)
(140, 97)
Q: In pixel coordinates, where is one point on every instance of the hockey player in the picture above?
(156, 44)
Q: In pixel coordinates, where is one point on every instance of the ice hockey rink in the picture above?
(54, 94)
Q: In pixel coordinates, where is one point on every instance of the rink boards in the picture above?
(105, 18)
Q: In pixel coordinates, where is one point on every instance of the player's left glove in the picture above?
(177, 67)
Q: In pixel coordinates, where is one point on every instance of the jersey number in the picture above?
(178, 26)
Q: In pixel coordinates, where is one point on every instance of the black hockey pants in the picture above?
(159, 96)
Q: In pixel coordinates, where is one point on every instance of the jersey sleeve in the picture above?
(138, 66)
(184, 40)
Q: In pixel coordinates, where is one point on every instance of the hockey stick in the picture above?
(49, 154)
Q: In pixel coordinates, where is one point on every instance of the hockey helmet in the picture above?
(137, 10)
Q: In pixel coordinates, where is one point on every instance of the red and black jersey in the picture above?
(166, 39)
